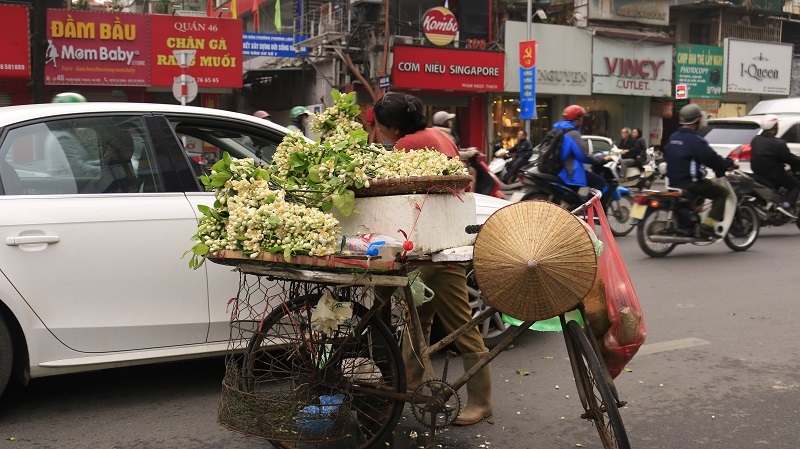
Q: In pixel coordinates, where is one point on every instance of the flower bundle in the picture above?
(252, 216)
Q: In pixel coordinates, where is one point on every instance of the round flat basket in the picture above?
(414, 184)
(534, 260)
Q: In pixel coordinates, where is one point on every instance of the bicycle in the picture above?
(340, 381)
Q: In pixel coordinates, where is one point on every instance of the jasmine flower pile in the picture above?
(285, 208)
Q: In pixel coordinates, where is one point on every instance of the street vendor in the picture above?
(401, 121)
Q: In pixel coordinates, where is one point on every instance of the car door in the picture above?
(94, 224)
(204, 140)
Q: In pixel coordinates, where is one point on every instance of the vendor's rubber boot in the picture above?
(479, 392)
(412, 359)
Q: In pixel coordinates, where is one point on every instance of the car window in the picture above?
(600, 145)
(205, 141)
(792, 134)
(730, 133)
(109, 154)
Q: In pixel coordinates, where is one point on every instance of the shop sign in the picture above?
(626, 68)
(440, 69)
(699, 67)
(555, 74)
(15, 54)
(439, 25)
(218, 45)
(527, 79)
(96, 48)
(276, 45)
(652, 12)
(757, 67)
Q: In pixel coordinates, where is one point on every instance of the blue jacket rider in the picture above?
(574, 152)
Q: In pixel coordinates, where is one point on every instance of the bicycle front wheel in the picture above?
(595, 391)
(286, 353)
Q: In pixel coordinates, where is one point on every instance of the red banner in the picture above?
(96, 48)
(211, 47)
(447, 69)
(15, 53)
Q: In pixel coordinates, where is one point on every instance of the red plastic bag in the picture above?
(627, 332)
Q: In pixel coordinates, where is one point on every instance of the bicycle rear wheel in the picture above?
(596, 394)
(286, 354)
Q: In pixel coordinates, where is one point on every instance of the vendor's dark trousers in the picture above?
(791, 184)
(715, 192)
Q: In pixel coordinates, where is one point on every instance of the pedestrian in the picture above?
(443, 121)
(299, 116)
(769, 157)
(401, 121)
(262, 114)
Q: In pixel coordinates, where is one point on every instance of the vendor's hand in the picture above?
(625, 151)
(735, 166)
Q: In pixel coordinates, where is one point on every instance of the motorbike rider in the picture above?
(769, 155)
(574, 153)
(684, 153)
(300, 118)
(522, 151)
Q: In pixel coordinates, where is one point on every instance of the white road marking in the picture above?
(671, 345)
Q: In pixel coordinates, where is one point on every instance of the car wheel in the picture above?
(6, 355)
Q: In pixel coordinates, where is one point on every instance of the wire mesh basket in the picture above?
(294, 360)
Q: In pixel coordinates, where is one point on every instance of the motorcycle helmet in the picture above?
(297, 111)
(69, 97)
(262, 114)
(573, 112)
(689, 114)
(768, 122)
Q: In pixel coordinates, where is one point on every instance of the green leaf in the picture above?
(221, 165)
(336, 95)
(522, 373)
(297, 159)
(287, 254)
(275, 249)
(261, 173)
(326, 206)
(205, 210)
(201, 249)
(273, 220)
(313, 173)
(350, 97)
(335, 182)
(344, 202)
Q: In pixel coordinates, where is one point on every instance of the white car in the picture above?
(99, 203)
(598, 143)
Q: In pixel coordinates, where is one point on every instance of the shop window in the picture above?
(506, 123)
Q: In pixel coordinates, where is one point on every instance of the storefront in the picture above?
(626, 76)
(560, 80)
(452, 80)
(141, 58)
(754, 71)
(15, 67)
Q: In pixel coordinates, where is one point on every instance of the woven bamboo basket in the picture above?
(414, 184)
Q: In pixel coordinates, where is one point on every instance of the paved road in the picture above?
(719, 370)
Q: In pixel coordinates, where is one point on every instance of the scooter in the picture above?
(636, 177)
(617, 204)
(768, 196)
(486, 182)
(672, 218)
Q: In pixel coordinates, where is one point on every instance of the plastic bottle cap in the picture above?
(374, 248)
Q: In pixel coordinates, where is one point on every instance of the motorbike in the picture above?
(637, 177)
(486, 181)
(617, 205)
(672, 218)
(768, 196)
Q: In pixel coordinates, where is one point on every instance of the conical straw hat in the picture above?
(534, 260)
